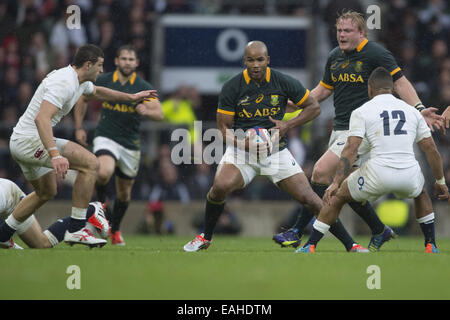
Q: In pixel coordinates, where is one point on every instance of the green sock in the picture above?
(101, 192)
(120, 207)
(212, 213)
(368, 214)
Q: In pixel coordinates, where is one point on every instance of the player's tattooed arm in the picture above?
(343, 168)
(348, 157)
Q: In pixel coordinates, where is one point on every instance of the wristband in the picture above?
(419, 106)
(53, 152)
(441, 180)
(57, 157)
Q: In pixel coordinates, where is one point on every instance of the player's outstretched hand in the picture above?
(433, 119)
(446, 115)
(441, 192)
(60, 165)
(330, 192)
(136, 97)
(81, 137)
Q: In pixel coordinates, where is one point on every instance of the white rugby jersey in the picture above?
(390, 127)
(10, 195)
(62, 89)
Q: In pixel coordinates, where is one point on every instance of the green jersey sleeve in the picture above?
(227, 99)
(383, 58)
(327, 82)
(144, 85)
(295, 91)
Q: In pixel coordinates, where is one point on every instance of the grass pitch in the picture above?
(156, 268)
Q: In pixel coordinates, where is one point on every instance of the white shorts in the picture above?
(31, 155)
(337, 142)
(372, 181)
(276, 167)
(127, 161)
(10, 196)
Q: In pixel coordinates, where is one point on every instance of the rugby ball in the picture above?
(259, 135)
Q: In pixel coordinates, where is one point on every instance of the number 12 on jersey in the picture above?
(395, 114)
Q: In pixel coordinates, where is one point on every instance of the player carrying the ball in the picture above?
(257, 97)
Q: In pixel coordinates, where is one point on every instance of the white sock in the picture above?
(320, 226)
(51, 238)
(12, 222)
(78, 213)
(427, 219)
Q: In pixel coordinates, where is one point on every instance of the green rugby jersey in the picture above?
(347, 74)
(119, 121)
(251, 103)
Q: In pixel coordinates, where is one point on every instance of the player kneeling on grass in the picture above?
(30, 231)
(390, 127)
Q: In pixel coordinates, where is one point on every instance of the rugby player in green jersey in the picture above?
(117, 137)
(257, 97)
(346, 74)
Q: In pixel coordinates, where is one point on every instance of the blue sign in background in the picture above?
(196, 47)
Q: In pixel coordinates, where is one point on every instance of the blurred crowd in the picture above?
(34, 39)
(418, 34)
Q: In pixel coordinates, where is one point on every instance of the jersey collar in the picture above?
(358, 48)
(362, 45)
(247, 77)
(116, 77)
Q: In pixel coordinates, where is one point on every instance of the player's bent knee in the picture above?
(91, 165)
(47, 194)
(103, 175)
(320, 174)
(220, 190)
(94, 164)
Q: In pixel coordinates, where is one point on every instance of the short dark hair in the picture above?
(127, 47)
(381, 79)
(87, 52)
